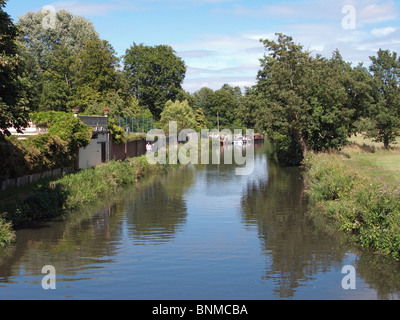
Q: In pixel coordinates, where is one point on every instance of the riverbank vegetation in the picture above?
(53, 198)
(357, 191)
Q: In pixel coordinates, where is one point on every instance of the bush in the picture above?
(55, 149)
(7, 234)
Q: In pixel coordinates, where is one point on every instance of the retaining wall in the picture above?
(32, 178)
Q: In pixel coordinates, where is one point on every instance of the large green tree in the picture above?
(53, 54)
(66, 30)
(13, 100)
(95, 72)
(223, 111)
(57, 80)
(303, 99)
(154, 75)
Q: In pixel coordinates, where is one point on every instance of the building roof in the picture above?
(99, 124)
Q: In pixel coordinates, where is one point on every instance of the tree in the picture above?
(13, 102)
(224, 108)
(52, 53)
(68, 31)
(201, 122)
(180, 112)
(280, 84)
(251, 104)
(386, 87)
(154, 75)
(303, 101)
(95, 74)
(57, 78)
(64, 125)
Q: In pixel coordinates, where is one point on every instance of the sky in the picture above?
(219, 40)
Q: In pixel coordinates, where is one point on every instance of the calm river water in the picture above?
(199, 232)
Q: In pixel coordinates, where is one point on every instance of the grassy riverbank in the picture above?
(356, 190)
(70, 192)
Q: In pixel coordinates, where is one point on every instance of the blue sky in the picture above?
(219, 39)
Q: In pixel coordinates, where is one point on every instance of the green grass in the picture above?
(372, 159)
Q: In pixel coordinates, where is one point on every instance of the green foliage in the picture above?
(33, 154)
(304, 99)
(45, 202)
(66, 126)
(55, 149)
(180, 112)
(360, 206)
(13, 102)
(70, 66)
(90, 184)
(117, 133)
(12, 155)
(201, 122)
(154, 75)
(385, 114)
(56, 79)
(45, 151)
(69, 31)
(7, 234)
(220, 107)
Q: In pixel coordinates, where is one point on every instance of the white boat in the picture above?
(238, 141)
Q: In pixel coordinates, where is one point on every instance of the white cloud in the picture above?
(376, 12)
(215, 59)
(92, 9)
(383, 31)
(317, 25)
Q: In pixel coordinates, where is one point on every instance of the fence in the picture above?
(129, 149)
(136, 124)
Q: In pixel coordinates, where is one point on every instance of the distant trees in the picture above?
(220, 107)
(201, 122)
(154, 75)
(385, 116)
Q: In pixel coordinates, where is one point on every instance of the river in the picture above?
(200, 233)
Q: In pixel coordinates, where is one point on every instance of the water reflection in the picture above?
(296, 252)
(157, 210)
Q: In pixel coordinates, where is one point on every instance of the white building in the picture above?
(99, 149)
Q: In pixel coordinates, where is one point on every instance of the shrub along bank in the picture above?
(364, 207)
(71, 192)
